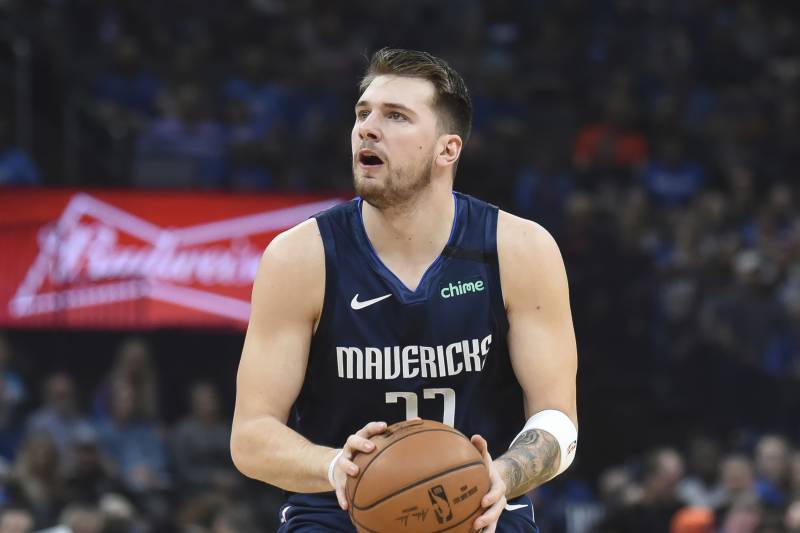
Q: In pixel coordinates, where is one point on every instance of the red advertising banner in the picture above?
(136, 259)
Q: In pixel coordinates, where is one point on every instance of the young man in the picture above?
(410, 300)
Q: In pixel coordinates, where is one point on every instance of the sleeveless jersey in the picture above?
(384, 352)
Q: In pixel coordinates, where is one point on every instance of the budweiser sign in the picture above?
(139, 259)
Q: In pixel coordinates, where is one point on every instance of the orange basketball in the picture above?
(423, 476)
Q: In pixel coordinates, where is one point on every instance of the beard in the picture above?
(397, 188)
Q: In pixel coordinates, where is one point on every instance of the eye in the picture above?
(361, 115)
(394, 115)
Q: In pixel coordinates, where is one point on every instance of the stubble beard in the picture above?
(396, 189)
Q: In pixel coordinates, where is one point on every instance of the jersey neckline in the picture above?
(401, 291)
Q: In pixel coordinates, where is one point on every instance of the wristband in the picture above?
(332, 465)
(559, 426)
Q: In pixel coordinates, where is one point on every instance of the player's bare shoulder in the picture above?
(292, 268)
(528, 256)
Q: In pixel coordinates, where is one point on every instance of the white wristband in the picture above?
(559, 426)
(332, 465)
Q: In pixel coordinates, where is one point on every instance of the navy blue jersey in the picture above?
(384, 352)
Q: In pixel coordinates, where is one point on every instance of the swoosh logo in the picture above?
(355, 304)
(515, 506)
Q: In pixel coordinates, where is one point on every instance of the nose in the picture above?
(368, 128)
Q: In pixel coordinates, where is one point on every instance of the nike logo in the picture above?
(515, 506)
(355, 304)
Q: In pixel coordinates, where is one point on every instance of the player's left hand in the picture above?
(495, 500)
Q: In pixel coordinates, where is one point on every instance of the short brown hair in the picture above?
(451, 98)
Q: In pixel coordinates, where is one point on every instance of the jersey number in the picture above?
(410, 398)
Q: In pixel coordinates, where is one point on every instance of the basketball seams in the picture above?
(417, 483)
(378, 453)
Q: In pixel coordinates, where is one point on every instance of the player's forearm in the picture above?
(267, 450)
(531, 460)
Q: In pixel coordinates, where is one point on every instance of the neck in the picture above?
(418, 229)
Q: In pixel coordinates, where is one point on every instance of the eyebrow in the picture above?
(389, 105)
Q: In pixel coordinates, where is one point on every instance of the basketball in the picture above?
(423, 476)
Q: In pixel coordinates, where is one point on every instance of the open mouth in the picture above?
(369, 159)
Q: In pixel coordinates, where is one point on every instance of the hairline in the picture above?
(367, 80)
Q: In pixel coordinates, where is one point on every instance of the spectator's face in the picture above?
(772, 459)
(16, 522)
(205, 403)
(42, 454)
(742, 182)
(123, 402)
(405, 139)
(781, 198)
(737, 475)
(661, 484)
(61, 393)
(134, 357)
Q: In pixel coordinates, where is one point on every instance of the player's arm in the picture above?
(286, 302)
(543, 352)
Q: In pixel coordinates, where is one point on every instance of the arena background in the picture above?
(658, 141)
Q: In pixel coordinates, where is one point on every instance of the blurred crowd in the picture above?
(747, 483)
(105, 460)
(658, 141)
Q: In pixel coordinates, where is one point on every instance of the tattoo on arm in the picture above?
(532, 460)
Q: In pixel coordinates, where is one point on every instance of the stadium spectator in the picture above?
(133, 442)
(183, 147)
(657, 503)
(91, 474)
(249, 144)
(126, 85)
(670, 177)
(613, 148)
(772, 470)
(133, 364)
(699, 487)
(737, 480)
(34, 481)
(741, 319)
(59, 415)
(201, 445)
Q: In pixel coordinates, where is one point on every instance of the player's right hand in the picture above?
(344, 465)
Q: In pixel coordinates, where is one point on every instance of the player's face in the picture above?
(393, 140)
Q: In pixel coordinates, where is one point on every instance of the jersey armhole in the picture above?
(497, 299)
(329, 249)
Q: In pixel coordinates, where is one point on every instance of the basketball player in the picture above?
(409, 301)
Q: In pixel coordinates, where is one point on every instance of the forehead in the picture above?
(414, 93)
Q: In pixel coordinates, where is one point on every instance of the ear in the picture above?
(449, 150)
